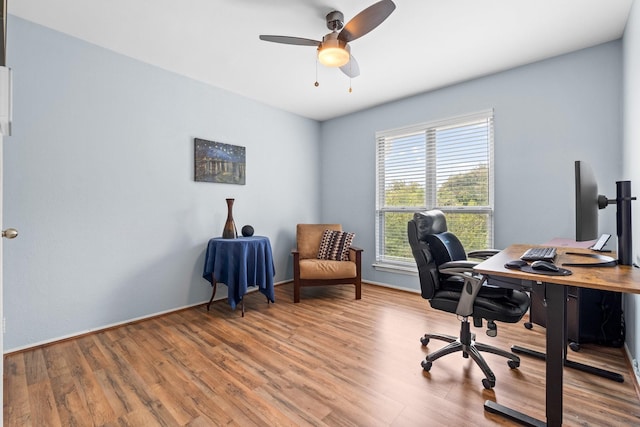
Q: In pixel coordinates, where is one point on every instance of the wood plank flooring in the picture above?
(328, 361)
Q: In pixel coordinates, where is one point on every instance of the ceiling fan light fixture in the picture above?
(333, 52)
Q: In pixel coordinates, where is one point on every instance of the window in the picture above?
(446, 165)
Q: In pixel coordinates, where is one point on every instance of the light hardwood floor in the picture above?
(329, 360)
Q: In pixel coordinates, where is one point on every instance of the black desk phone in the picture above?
(602, 240)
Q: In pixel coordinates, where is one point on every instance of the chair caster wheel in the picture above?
(426, 365)
(574, 346)
(513, 364)
(424, 341)
(492, 328)
(528, 325)
(488, 384)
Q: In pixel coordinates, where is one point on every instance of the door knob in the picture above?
(10, 233)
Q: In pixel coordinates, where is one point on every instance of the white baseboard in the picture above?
(114, 325)
(635, 368)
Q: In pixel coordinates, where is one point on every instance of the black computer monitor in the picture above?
(586, 202)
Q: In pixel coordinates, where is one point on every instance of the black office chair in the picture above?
(448, 281)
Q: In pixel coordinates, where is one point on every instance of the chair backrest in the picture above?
(309, 236)
(432, 245)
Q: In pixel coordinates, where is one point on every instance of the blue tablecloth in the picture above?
(240, 263)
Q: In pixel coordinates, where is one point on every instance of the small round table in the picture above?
(240, 263)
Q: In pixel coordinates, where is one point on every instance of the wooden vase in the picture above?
(229, 231)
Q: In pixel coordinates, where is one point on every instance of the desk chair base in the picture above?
(469, 347)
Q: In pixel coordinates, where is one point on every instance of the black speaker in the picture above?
(247, 231)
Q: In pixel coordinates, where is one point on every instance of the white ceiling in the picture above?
(423, 45)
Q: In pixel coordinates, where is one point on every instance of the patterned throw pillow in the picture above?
(335, 245)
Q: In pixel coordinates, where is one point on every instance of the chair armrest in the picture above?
(296, 258)
(470, 290)
(457, 267)
(355, 255)
(473, 282)
(483, 253)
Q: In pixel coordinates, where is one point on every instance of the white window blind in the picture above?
(446, 165)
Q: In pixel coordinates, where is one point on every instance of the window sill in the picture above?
(392, 268)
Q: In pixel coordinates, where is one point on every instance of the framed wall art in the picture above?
(218, 162)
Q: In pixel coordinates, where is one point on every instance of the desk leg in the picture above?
(613, 376)
(556, 296)
(510, 414)
(214, 285)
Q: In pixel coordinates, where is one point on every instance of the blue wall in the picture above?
(547, 115)
(98, 179)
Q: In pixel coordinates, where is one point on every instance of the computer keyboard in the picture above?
(536, 254)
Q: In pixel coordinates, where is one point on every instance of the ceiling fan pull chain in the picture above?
(316, 84)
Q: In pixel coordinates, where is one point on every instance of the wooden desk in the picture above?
(621, 278)
(240, 263)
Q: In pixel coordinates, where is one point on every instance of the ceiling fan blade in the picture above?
(351, 68)
(367, 20)
(290, 40)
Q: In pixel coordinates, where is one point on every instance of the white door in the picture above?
(1, 274)
(5, 126)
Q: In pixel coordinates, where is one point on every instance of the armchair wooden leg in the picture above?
(296, 292)
(358, 290)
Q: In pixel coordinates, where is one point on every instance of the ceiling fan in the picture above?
(334, 49)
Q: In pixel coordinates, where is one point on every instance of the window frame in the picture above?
(387, 262)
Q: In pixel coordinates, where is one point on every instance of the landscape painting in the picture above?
(218, 162)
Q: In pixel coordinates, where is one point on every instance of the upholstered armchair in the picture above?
(324, 256)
